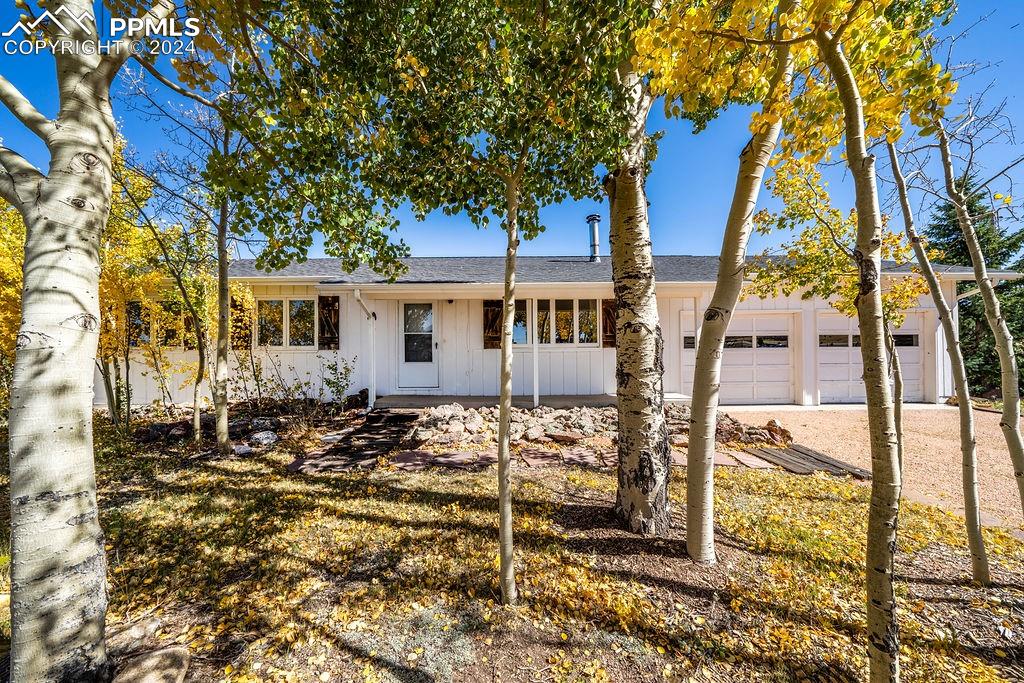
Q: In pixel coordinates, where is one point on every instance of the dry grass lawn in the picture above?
(383, 575)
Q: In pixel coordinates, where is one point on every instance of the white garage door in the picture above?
(840, 371)
(757, 364)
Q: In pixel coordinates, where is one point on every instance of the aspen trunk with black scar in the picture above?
(506, 565)
(700, 454)
(883, 513)
(1009, 421)
(641, 502)
(968, 443)
(58, 566)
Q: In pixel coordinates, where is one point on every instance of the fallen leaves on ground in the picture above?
(382, 575)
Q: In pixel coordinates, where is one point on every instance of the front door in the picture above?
(417, 346)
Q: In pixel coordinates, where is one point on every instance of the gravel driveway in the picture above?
(931, 453)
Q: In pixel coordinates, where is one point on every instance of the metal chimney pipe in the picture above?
(594, 221)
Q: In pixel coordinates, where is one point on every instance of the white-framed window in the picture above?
(300, 322)
(562, 323)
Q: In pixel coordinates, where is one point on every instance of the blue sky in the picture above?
(692, 180)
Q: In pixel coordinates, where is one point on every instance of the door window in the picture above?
(418, 330)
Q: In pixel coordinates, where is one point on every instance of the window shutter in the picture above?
(608, 312)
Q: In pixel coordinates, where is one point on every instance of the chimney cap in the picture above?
(594, 217)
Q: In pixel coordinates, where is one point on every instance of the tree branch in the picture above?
(184, 92)
(24, 110)
(16, 173)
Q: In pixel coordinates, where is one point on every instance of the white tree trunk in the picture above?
(507, 572)
(1009, 423)
(896, 371)
(220, 374)
(641, 502)
(58, 566)
(883, 514)
(968, 443)
(700, 455)
(197, 387)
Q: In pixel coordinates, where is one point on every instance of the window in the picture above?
(855, 339)
(328, 317)
(833, 340)
(575, 322)
(608, 312)
(739, 342)
(137, 327)
(773, 341)
(190, 333)
(240, 326)
(301, 318)
(418, 330)
(492, 324)
(543, 321)
(270, 322)
(587, 321)
(520, 326)
(689, 342)
(905, 339)
(563, 321)
(169, 323)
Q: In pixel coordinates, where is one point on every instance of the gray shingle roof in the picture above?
(490, 270)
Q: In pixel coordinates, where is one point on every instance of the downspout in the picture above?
(372, 318)
(536, 359)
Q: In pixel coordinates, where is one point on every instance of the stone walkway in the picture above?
(415, 460)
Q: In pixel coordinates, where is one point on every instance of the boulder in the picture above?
(534, 433)
(422, 435)
(237, 427)
(565, 437)
(264, 424)
(445, 412)
(178, 432)
(263, 439)
(475, 423)
(241, 450)
(167, 665)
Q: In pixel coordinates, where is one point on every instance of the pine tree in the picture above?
(1004, 249)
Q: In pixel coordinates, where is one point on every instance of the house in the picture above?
(436, 331)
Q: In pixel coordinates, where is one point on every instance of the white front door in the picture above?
(417, 346)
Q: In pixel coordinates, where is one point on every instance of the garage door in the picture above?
(840, 371)
(757, 364)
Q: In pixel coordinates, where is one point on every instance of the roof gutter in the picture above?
(996, 281)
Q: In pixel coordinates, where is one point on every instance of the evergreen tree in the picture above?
(1003, 249)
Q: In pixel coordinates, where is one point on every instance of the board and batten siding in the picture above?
(465, 368)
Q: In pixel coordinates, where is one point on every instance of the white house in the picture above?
(436, 332)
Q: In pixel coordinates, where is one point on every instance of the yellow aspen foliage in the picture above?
(819, 260)
(129, 259)
(12, 244)
(704, 55)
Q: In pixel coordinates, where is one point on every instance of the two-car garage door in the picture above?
(759, 358)
(757, 364)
